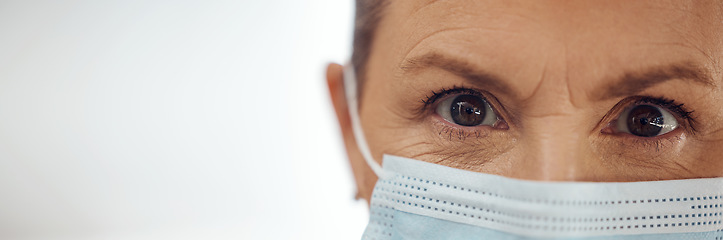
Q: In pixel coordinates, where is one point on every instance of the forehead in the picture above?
(591, 40)
(567, 22)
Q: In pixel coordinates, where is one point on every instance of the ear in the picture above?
(363, 174)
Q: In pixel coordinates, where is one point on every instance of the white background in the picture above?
(137, 119)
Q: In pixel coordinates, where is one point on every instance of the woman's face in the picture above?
(564, 91)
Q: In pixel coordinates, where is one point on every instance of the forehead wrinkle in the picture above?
(445, 30)
(691, 9)
(435, 14)
(695, 22)
(695, 40)
(421, 40)
(425, 5)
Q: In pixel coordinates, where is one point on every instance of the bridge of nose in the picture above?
(555, 130)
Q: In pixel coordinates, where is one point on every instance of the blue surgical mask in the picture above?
(419, 200)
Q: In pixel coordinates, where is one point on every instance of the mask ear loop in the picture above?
(350, 87)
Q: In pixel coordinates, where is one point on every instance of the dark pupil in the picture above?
(467, 110)
(645, 121)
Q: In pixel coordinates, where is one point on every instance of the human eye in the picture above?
(646, 121)
(649, 117)
(466, 108)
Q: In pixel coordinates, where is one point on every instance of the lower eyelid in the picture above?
(634, 150)
(458, 133)
(482, 142)
(636, 143)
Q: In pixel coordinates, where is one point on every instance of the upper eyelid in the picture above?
(438, 96)
(486, 96)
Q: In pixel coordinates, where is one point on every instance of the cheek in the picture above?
(703, 157)
(676, 157)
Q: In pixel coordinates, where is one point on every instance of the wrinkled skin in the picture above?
(557, 73)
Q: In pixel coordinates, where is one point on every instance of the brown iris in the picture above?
(467, 110)
(645, 121)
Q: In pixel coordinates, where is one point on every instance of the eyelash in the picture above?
(436, 95)
(677, 109)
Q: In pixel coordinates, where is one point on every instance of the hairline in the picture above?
(367, 17)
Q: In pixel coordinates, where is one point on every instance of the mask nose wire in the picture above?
(350, 88)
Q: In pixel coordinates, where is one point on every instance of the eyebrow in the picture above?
(457, 67)
(631, 83)
(628, 84)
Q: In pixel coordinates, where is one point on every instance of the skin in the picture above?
(564, 72)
